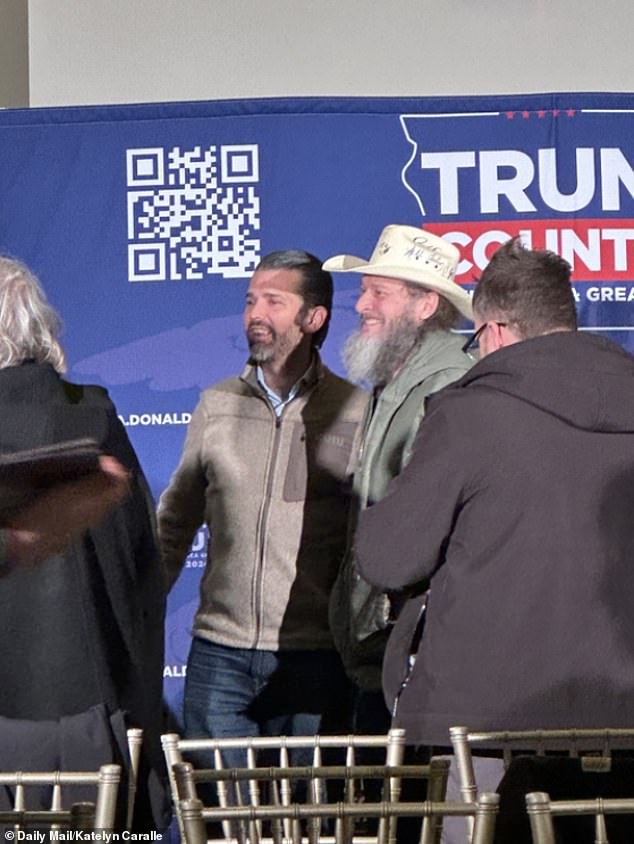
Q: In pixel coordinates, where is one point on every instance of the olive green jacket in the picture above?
(361, 616)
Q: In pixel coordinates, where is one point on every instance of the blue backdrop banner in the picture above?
(145, 222)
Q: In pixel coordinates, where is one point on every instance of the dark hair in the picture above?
(527, 288)
(316, 288)
(446, 315)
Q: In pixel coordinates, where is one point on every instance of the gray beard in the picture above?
(278, 348)
(375, 360)
(260, 352)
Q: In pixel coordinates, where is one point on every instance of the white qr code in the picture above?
(193, 212)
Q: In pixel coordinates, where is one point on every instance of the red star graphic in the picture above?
(526, 115)
(570, 112)
(510, 115)
(555, 112)
(541, 113)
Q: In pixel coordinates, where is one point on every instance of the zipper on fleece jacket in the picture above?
(364, 476)
(262, 524)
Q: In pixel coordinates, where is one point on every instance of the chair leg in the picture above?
(135, 740)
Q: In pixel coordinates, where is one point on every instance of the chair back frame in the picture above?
(184, 778)
(106, 781)
(484, 813)
(542, 810)
(572, 741)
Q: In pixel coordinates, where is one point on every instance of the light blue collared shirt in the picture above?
(278, 404)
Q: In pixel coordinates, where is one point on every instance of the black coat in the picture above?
(518, 503)
(83, 631)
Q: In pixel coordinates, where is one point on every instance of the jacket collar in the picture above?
(427, 358)
(313, 374)
(29, 380)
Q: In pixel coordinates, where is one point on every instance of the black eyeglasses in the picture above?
(472, 340)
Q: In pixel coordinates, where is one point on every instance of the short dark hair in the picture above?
(527, 288)
(316, 287)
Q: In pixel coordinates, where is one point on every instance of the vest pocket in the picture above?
(318, 460)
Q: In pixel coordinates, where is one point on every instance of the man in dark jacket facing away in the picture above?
(517, 503)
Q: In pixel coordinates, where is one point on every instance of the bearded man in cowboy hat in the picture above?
(404, 349)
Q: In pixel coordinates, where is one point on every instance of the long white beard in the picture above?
(359, 356)
(375, 360)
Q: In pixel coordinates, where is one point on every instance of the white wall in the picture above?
(115, 51)
(14, 57)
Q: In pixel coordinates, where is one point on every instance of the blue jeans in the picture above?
(243, 692)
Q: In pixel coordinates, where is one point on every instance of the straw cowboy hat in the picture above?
(414, 255)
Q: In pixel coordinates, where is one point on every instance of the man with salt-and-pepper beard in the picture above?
(404, 349)
(266, 466)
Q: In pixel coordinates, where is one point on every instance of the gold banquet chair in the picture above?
(195, 817)
(279, 784)
(593, 746)
(331, 758)
(99, 815)
(542, 812)
(279, 750)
